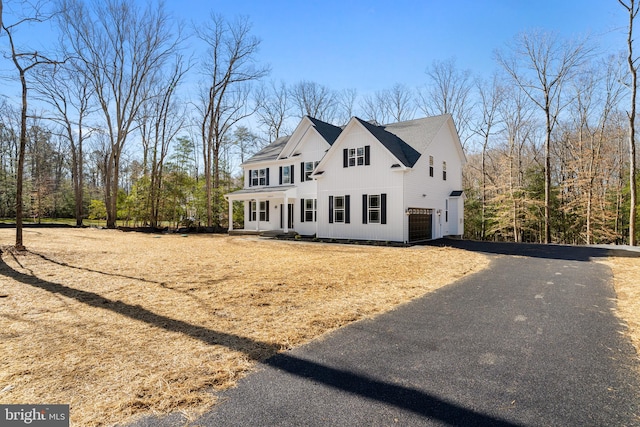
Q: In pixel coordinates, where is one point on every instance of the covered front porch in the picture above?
(269, 209)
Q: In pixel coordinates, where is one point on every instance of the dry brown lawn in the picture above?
(119, 325)
(626, 277)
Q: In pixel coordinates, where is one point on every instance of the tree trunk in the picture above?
(547, 182)
(483, 229)
(20, 172)
(110, 196)
(633, 70)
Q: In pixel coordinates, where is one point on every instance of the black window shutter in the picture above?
(281, 217)
(301, 171)
(250, 178)
(345, 158)
(267, 173)
(347, 210)
(383, 208)
(367, 155)
(301, 210)
(267, 208)
(330, 209)
(291, 175)
(364, 209)
(280, 174)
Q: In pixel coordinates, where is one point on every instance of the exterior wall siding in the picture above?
(375, 179)
(424, 191)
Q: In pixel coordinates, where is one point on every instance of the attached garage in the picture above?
(420, 224)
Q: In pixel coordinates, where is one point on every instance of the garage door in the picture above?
(420, 224)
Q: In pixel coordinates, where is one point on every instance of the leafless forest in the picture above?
(123, 121)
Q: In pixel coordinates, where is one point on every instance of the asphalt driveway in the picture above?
(530, 341)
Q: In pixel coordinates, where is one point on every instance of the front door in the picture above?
(290, 215)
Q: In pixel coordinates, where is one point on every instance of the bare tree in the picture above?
(315, 100)
(160, 121)
(69, 94)
(372, 107)
(515, 113)
(400, 103)
(597, 94)
(389, 105)
(246, 142)
(24, 62)
(346, 100)
(273, 108)
(448, 92)
(121, 48)
(228, 69)
(491, 97)
(632, 8)
(539, 63)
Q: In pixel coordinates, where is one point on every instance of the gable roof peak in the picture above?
(399, 148)
(328, 131)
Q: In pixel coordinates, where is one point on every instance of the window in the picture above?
(286, 175)
(444, 171)
(446, 210)
(259, 177)
(258, 210)
(431, 166)
(308, 170)
(374, 208)
(338, 209)
(252, 210)
(310, 210)
(264, 213)
(356, 156)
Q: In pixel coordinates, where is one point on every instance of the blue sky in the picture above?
(371, 45)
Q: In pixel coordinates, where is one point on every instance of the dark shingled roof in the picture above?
(456, 193)
(400, 149)
(328, 131)
(270, 152)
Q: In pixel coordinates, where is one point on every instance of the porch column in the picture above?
(230, 214)
(257, 214)
(285, 213)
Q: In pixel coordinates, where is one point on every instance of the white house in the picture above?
(399, 182)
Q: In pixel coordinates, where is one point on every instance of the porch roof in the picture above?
(289, 191)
